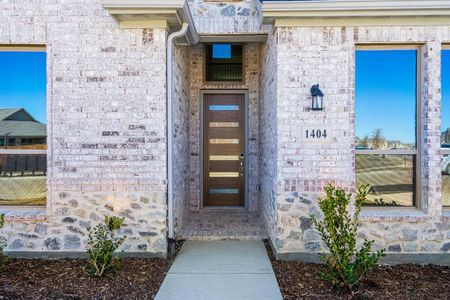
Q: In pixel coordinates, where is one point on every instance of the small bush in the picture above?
(345, 265)
(102, 242)
(3, 242)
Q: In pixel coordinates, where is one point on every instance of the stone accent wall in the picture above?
(65, 228)
(220, 17)
(181, 171)
(106, 106)
(326, 55)
(251, 83)
(268, 141)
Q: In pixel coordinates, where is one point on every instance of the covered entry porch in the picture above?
(214, 195)
(190, 59)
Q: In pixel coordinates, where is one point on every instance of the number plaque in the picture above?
(316, 134)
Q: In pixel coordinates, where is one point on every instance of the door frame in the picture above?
(243, 92)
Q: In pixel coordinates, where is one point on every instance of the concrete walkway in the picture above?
(216, 270)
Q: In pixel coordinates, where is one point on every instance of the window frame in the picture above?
(443, 151)
(28, 210)
(207, 82)
(418, 190)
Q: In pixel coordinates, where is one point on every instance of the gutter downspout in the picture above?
(169, 92)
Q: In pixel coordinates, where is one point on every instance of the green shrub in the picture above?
(102, 242)
(345, 264)
(3, 242)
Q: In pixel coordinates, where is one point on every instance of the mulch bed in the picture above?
(65, 279)
(299, 280)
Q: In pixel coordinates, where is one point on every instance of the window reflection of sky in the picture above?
(386, 94)
(224, 107)
(23, 82)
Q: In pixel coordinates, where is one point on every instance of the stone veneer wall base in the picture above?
(441, 259)
(76, 255)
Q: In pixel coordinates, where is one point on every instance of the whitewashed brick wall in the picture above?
(181, 184)
(106, 124)
(268, 143)
(326, 55)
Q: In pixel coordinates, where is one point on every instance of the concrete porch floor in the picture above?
(223, 224)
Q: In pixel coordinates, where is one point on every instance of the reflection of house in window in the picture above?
(19, 129)
(445, 137)
(224, 62)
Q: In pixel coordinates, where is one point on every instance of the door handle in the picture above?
(241, 165)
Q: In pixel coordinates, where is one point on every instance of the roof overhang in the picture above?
(357, 12)
(170, 14)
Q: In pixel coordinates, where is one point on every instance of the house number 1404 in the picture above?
(316, 133)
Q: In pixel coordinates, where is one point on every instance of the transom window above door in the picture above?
(223, 63)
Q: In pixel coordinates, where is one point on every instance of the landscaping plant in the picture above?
(345, 264)
(102, 242)
(3, 242)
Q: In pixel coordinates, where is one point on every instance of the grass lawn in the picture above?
(23, 190)
(390, 176)
(446, 190)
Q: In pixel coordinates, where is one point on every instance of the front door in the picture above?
(224, 149)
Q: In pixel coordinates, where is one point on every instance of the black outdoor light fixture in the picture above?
(317, 98)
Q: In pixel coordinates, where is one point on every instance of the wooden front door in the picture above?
(223, 149)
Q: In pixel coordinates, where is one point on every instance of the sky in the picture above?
(23, 82)
(386, 93)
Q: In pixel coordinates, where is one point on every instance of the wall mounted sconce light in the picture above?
(317, 98)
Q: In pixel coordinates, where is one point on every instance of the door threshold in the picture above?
(243, 208)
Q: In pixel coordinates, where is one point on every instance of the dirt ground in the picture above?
(65, 279)
(299, 280)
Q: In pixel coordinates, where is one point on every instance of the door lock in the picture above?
(241, 168)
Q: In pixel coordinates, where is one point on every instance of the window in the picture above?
(445, 125)
(223, 62)
(23, 162)
(386, 122)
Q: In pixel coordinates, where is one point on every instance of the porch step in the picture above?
(216, 270)
(223, 225)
